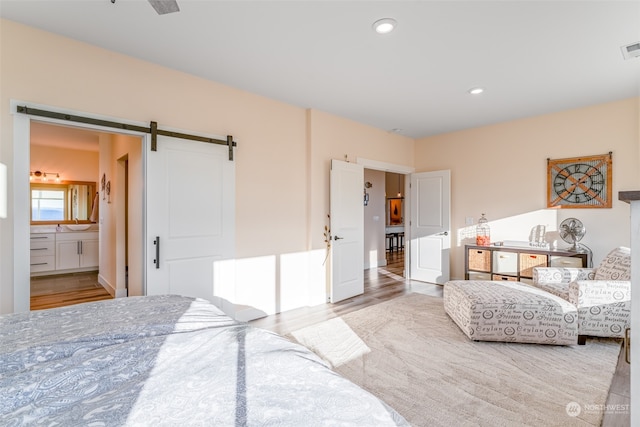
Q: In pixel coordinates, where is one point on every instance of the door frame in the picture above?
(403, 170)
(19, 198)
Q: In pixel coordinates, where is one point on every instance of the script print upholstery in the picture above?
(556, 279)
(602, 295)
(167, 360)
(510, 312)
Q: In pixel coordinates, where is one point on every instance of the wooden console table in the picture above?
(516, 263)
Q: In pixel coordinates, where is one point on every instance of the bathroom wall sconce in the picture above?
(42, 176)
(3, 190)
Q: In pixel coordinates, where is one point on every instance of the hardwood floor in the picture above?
(66, 289)
(381, 284)
(385, 283)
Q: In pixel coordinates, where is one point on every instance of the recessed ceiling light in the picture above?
(384, 26)
(476, 91)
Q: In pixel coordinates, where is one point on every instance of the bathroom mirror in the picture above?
(62, 203)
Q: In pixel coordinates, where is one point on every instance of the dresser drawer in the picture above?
(505, 278)
(42, 248)
(479, 260)
(529, 261)
(566, 261)
(43, 263)
(505, 263)
(43, 237)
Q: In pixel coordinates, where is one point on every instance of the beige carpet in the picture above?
(409, 353)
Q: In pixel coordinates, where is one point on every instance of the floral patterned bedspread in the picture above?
(167, 360)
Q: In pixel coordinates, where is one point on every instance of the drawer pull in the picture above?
(39, 249)
(41, 263)
(39, 237)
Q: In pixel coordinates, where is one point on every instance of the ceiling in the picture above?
(531, 57)
(64, 137)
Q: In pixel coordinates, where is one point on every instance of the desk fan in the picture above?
(572, 231)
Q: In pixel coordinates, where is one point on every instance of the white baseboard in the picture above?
(108, 286)
(379, 263)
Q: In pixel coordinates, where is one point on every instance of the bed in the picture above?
(167, 360)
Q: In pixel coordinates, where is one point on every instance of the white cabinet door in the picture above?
(77, 250)
(89, 253)
(67, 254)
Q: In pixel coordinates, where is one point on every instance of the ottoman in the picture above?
(510, 312)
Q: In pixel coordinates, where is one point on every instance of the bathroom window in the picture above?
(47, 204)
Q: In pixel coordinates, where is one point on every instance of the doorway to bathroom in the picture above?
(83, 257)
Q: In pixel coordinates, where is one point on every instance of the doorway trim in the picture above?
(403, 170)
(19, 200)
(383, 166)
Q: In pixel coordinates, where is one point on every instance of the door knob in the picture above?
(337, 238)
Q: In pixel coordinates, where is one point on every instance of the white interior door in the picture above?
(190, 216)
(430, 226)
(347, 229)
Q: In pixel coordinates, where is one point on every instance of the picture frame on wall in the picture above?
(580, 182)
(395, 213)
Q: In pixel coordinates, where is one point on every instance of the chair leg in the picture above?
(582, 339)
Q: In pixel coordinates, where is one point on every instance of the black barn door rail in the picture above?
(152, 129)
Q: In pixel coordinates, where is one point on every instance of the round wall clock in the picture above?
(579, 182)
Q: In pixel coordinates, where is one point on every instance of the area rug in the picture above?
(409, 353)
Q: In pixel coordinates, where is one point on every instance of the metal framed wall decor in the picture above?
(579, 182)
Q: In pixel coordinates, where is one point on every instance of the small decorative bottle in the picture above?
(483, 235)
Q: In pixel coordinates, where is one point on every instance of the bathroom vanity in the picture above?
(65, 251)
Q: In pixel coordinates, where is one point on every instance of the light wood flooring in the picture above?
(66, 289)
(381, 284)
(385, 283)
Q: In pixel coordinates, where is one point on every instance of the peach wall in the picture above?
(114, 147)
(501, 170)
(282, 158)
(73, 165)
(334, 138)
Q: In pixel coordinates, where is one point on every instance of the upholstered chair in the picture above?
(602, 295)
